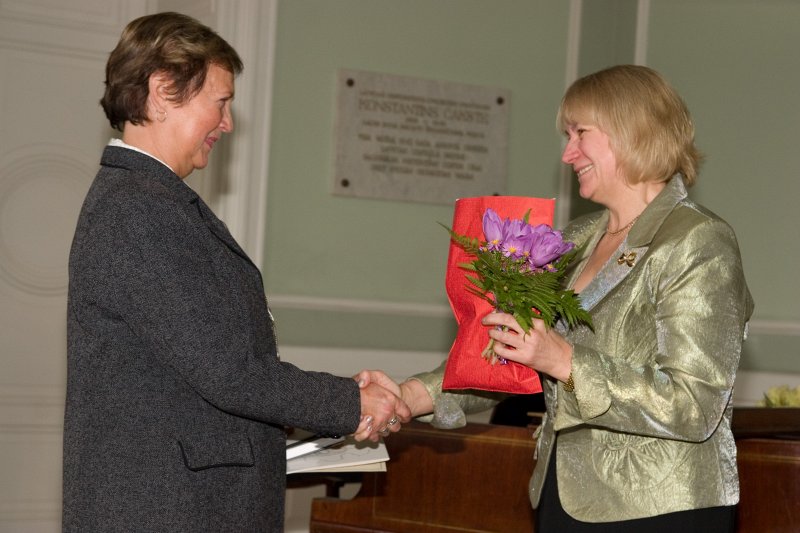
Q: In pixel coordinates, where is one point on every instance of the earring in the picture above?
(160, 117)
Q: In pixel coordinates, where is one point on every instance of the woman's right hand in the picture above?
(382, 412)
(412, 391)
(541, 348)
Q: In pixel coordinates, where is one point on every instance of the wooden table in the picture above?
(475, 479)
(470, 479)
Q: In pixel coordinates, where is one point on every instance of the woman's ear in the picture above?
(158, 95)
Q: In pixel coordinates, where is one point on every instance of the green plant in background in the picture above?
(782, 396)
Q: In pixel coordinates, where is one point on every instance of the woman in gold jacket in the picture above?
(637, 434)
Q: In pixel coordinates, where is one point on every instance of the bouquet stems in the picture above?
(489, 354)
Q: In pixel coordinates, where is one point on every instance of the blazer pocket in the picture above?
(204, 451)
(638, 463)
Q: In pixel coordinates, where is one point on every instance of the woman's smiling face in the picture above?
(199, 123)
(589, 152)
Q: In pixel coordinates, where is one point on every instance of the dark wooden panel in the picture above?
(471, 479)
(475, 479)
(769, 474)
(773, 422)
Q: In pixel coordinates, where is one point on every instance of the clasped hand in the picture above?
(412, 393)
(382, 410)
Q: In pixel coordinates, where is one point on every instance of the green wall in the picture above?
(734, 61)
(737, 65)
(332, 247)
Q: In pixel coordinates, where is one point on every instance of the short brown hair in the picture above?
(172, 43)
(649, 126)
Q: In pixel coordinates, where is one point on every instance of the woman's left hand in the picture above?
(541, 348)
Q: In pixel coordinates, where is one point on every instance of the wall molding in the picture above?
(751, 385)
(234, 184)
(789, 328)
(399, 364)
(22, 515)
(26, 171)
(351, 305)
(250, 27)
(31, 412)
(31, 429)
(383, 307)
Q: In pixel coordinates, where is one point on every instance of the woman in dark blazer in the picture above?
(637, 434)
(176, 398)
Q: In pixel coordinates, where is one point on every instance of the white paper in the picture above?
(302, 442)
(348, 456)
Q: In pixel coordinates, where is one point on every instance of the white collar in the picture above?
(121, 144)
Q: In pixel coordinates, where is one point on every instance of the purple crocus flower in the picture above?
(547, 246)
(515, 246)
(493, 228)
(517, 229)
(516, 238)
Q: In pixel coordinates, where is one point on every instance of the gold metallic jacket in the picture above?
(647, 430)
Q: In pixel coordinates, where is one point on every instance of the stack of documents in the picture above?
(306, 452)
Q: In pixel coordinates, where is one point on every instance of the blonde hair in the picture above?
(648, 124)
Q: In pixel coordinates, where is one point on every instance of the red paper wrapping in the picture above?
(466, 368)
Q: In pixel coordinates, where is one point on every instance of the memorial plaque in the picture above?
(402, 138)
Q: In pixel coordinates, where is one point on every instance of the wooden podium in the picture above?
(470, 479)
(768, 454)
(475, 479)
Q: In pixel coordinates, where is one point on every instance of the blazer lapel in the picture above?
(218, 228)
(152, 169)
(613, 272)
(633, 248)
(585, 236)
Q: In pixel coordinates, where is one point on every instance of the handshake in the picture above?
(386, 405)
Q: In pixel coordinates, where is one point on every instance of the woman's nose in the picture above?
(570, 152)
(226, 124)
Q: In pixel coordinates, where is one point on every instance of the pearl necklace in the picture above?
(627, 227)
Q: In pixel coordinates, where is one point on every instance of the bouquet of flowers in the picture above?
(512, 263)
(519, 269)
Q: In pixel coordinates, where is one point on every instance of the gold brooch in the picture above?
(627, 259)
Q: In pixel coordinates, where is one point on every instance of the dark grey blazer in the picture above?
(176, 399)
